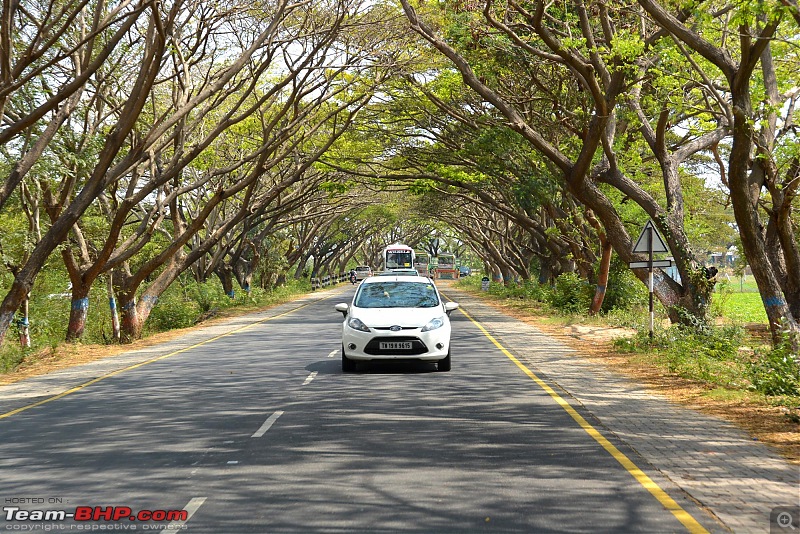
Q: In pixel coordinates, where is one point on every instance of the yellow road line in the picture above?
(682, 515)
(146, 362)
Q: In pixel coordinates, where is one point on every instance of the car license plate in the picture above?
(395, 345)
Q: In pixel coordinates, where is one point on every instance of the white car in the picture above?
(400, 272)
(363, 271)
(393, 318)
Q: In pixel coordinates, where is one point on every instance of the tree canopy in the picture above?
(144, 140)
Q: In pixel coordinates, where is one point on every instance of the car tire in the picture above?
(348, 365)
(444, 364)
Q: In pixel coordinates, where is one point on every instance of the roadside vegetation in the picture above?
(184, 304)
(727, 356)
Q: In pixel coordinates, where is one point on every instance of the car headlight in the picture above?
(433, 324)
(356, 324)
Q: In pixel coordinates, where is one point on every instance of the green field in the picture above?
(739, 301)
(744, 308)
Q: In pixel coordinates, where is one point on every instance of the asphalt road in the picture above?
(261, 432)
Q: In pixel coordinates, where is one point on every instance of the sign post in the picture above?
(485, 283)
(650, 242)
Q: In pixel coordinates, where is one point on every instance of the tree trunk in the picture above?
(602, 278)
(545, 271)
(744, 197)
(130, 325)
(112, 304)
(225, 274)
(78, 312)
(24, 323)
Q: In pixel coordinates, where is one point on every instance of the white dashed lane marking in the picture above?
(267, 424)
(190, 509)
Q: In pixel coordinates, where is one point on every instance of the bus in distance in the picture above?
(422, 264)
(398, 256)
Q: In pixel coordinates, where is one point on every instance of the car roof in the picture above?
(397, 278)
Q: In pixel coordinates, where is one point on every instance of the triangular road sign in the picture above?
(643, 241)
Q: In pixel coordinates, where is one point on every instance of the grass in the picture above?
(744, 308)
(710, 356)
(739, 302)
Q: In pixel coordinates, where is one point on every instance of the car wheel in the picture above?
(444, 364)
(348, 365)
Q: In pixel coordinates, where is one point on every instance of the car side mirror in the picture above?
(342, 307)
(450, 307)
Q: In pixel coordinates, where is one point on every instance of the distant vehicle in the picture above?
(464, 271)
(363, 271)
(401, 318)
(398, 256)
(446, 267)
(422, 263)
(400, 272)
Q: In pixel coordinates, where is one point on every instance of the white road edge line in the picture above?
(333, 353)
(190, 508)
(310, 378)
(267, 424)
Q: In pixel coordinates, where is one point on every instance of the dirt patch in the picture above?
(772, 425)
(597, 333)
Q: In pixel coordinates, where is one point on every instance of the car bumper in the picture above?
(433, 345)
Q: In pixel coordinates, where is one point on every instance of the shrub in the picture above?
(173, 310)
(208, 295)
(706, 353)
(709, 354)
(538, 292)
(624, 291)
(571, 294)
(776, 372)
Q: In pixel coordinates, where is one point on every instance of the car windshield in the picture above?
(398, 258)
(396, 295)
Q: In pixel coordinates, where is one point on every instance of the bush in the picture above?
(510, 291)
(776, 372)
(709, 354)
(571, 294)
(208, 295)
(624, 291)
(171, 311)
(539, 292)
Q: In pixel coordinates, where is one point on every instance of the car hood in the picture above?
(408, 317)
